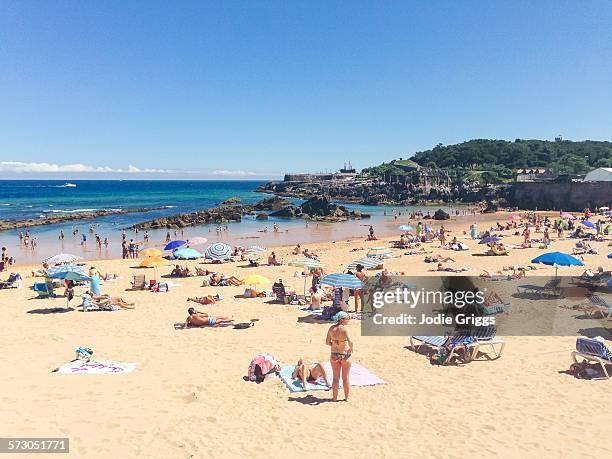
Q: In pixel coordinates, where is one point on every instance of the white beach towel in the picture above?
(96, 367)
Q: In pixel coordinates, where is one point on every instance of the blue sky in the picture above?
(254, 89)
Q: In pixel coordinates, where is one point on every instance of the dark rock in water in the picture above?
(319, 208)
(262, 216)
(232, 200)
(274, 203)
(441, 215)
(289, 211)
(491, 208)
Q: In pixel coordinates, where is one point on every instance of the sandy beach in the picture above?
(187, 398)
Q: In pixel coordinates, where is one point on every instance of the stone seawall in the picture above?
(572, 196)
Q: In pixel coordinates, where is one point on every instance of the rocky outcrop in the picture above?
(274, 204)
(321, 209)
(221, 214)
(232, 200)
(53, 219)
(441, 215)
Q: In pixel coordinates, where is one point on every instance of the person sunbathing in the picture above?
(443, 268)
(309, 254)
(297, 250)
(311, 374)
(108, 300)
(202, 272)
(222, 281)
(108, 277)
(438, 258)
(208, 299)
(201, 319)
(492, 298)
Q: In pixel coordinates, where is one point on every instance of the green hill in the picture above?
(564, 157)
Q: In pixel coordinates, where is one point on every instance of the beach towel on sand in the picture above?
(96, 367)
(360, 376)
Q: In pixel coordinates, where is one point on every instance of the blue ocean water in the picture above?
(32, 199)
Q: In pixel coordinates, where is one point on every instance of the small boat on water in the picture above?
(69, 185)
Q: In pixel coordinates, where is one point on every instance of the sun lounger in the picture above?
(485, 336)
(593, 351)
(456, 343)
(14, 281)
(551, 288)
(139, 283)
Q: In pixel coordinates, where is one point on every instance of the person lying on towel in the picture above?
(310, 374)
(201, 319)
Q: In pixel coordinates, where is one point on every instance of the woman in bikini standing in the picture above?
(339, 339)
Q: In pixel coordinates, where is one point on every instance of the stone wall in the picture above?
(571, 196)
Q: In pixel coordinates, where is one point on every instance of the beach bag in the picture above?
(439, 357)
(162, 287)
(261, 366)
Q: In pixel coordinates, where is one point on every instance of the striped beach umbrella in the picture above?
(62, 258)
(380, 252)
(61, 271)
(306, 263)
(219, 251)
(367, 263)
(341, 280)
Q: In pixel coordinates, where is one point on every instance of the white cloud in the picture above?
(42, 168)
(234, 173)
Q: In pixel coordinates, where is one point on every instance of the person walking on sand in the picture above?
(341, 346)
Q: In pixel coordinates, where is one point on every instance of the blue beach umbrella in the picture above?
(489, 240)
(557, 259)
(219, 251)
(405, 228)
(589, 224)
(340, 280)
(610, 255)
(187, 254)
(61, 271)
(174, 245)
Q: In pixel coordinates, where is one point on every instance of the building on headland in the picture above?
(534, 174)
(602, 174)
(347, 173)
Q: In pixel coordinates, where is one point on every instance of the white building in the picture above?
(603, 174)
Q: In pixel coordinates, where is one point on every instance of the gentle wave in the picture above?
(76, 211)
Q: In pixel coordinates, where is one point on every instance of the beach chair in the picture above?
(551, 288)
(598, 305)
(434, 342)
(14, 281)
(485, 336)
(492, 309)
(43, 289)
(139, 283)
(593, 351)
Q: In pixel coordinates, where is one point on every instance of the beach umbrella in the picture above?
(219, 251)
(405, 228)
(589, 224)
(489, 240)
(151, 253)
(187, 254)
(514, 218)
(62, 258)
(256, 249)
(380, 252)
(256, 279)
(306, 263)
(174, 245)
(197, 241)
(567, 215)
(557, 259)
(153, 262)
(604, 208)
(73, 276)
(341, 280)
(61, 271)
(367, 263)
(610, 255)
